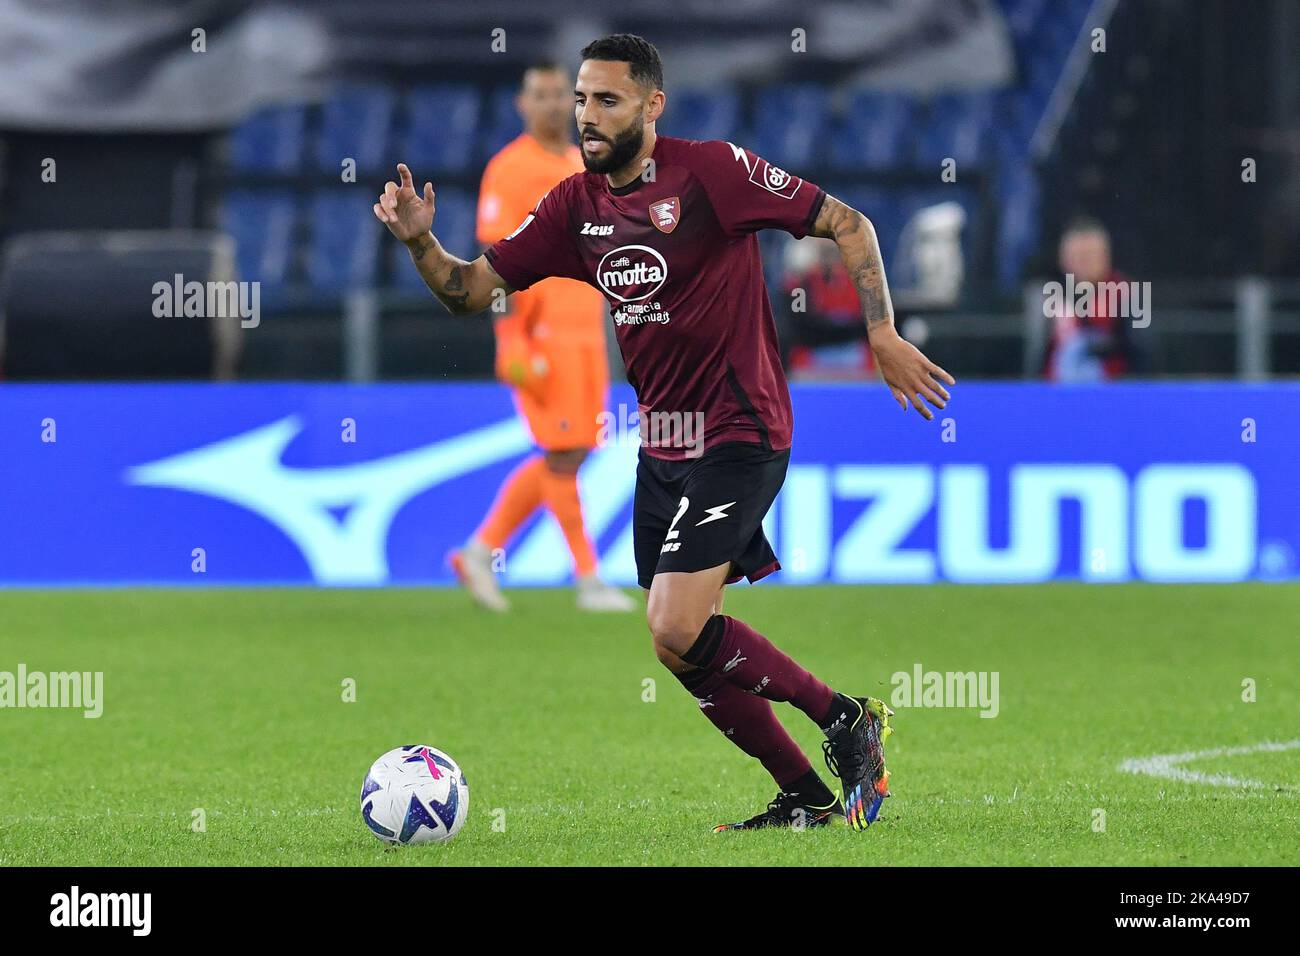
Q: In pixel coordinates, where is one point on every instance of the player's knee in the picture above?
(673, 631)
(668, 658)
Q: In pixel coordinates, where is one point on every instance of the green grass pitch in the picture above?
(232, 701)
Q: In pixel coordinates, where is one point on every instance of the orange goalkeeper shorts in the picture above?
(562, 405)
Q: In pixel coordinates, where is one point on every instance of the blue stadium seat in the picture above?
(443, 120)
(454, 225)
(355, 124)
(1023, 16)
(1018, 223)
(1041, 75)
(503, 122)
(262, 223)
(344, 241)
(404, 275)
(269, 141)
(873, 133)
(789, 125)
(1079, 10)
(701, 114)
(1057, 41)
(1013, 127)
(456, 217)
(958, 127)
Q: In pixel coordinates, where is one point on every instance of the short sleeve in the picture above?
(748, 193)
(540, 247)
(498, 212)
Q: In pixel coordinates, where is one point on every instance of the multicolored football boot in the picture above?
(788, 810)
(855, 752)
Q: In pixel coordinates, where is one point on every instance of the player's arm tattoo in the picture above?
(420, 246)
(463, 287)
(860, 250)
(454, 295)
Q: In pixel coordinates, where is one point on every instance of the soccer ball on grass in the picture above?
(414, 794)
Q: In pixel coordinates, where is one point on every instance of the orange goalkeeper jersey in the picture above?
(554, 312)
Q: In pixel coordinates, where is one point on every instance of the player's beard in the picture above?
(622, 150)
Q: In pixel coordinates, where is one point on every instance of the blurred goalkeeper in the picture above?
(550, 351)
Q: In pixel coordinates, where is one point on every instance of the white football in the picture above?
(414, 794)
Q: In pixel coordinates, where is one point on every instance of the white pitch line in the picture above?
(1167, 766)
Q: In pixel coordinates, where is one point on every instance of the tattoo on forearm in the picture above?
(861, 254)
(453, 292)
(422, 245)
(845, 222)
(870, 280)
(835, 220)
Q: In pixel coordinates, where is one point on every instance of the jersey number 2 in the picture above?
(670, 542)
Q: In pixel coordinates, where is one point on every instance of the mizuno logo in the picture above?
(337, 515)
(716, 513)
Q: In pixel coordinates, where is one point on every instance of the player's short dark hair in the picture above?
(543, 66)
(1083, 224)
(639, 53)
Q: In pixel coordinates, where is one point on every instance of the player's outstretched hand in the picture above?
(911, 376)
(405, 212)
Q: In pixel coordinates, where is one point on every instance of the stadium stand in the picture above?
(879, 149)
(1055, 132)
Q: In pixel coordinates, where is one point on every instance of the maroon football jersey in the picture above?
(678, 261)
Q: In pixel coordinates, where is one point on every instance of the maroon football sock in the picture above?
(750, 723)
(747, 659)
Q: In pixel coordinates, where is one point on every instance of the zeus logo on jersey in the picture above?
(593, 229)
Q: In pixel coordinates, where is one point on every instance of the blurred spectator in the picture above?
(823, 335)
(1093, 346)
